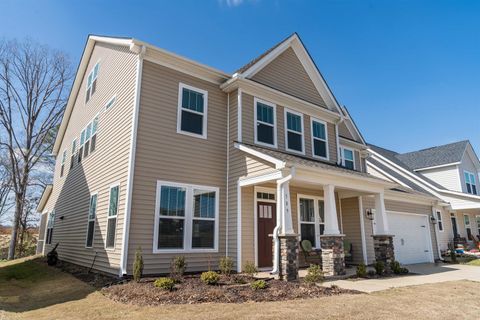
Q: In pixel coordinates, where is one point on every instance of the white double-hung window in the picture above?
(50, 224)
(348, 158)
(470, 182)
(186, 218)
(294, 131)
(319, 139)
(265, 126)
(192, 111)
(92, 213)
(92, 82)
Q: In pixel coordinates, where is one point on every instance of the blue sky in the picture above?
(409, 71)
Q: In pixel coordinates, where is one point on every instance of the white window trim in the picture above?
(112, 100)
(182, 86)
(62, 163)
(342, 149)
(313, 138)
(188, 218)
(317, 217)
(74, 150)
(471, 175)
(286, 110)
(439, 218)
(469, 226)
(89, 220)
(91, 128)
(255, 121)
(88, 75)
(50, 215)
(111, 217)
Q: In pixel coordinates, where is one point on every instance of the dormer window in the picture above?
(348, 158)
(470, 182)
(92, 82)
(265, 123)
(192, 111)
(294, 131)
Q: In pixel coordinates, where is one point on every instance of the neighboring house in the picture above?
(450, 173)
(159, 152)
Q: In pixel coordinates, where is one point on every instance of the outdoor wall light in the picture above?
(62, 217)
(432, 218)
(369, 214)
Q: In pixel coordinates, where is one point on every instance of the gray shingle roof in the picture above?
(436, 156)
(393, 157)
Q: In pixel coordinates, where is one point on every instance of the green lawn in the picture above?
(475, 262)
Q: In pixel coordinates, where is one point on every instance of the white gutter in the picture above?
(140, 50)
(278, 227)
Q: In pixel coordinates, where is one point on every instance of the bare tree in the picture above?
(5, 186)
(34, 87)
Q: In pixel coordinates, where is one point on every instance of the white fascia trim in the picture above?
(248, 181)
(351, 126)
(131, 165)
(387, 175)
(417, 180)
(351, 143)
(439, 166)
(44, 198)
(279, 164)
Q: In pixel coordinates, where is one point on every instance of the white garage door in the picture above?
(411, 239)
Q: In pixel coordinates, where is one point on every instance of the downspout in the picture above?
(228, 173)
(278, 227)
(140, 50)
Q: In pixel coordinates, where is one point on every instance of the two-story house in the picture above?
(449, 172)
(159, 152)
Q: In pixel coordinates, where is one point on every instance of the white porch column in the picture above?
(331, 219)
(286, 209)
(380, 216)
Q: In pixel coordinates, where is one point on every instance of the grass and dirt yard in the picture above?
(31, 290)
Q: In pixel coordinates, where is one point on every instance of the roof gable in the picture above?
(287, 74)
(436, 156)
(308, 65)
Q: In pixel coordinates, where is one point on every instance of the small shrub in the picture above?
(259, 285)
(371, 273)
(396, 267)
(250, 269)
(165, 283)
(210, 277)
(314, 274)
(379, 267)
(239, 280)
(361, 270)
(178, 267)
(453, 256)
(138, 265)
(404, 270)
(226, 265)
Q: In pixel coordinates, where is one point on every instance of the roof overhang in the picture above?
(44, 198)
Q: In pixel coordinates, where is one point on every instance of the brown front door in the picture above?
(266, 223)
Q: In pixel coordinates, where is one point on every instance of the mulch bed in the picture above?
(192, 290)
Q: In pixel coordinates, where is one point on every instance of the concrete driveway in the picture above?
(421, 274)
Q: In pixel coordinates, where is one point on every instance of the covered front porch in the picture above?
(282, 208)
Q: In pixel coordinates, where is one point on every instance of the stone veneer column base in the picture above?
(333, 256)
(383, 246)
(288, 268)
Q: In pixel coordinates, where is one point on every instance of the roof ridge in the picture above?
(435, 147)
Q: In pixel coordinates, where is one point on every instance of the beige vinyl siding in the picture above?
(468, 165)
(344, 132)
(445, 236)
(248, 129)
(164, 154)
(287, 74)
(352, 227)
(397, 206)
(107, 165)
(358, 162)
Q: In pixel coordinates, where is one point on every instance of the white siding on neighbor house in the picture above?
(447, 177)
(468, 165)
(71, 193)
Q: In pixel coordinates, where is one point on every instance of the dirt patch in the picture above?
(192, 291)
(93, 278)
